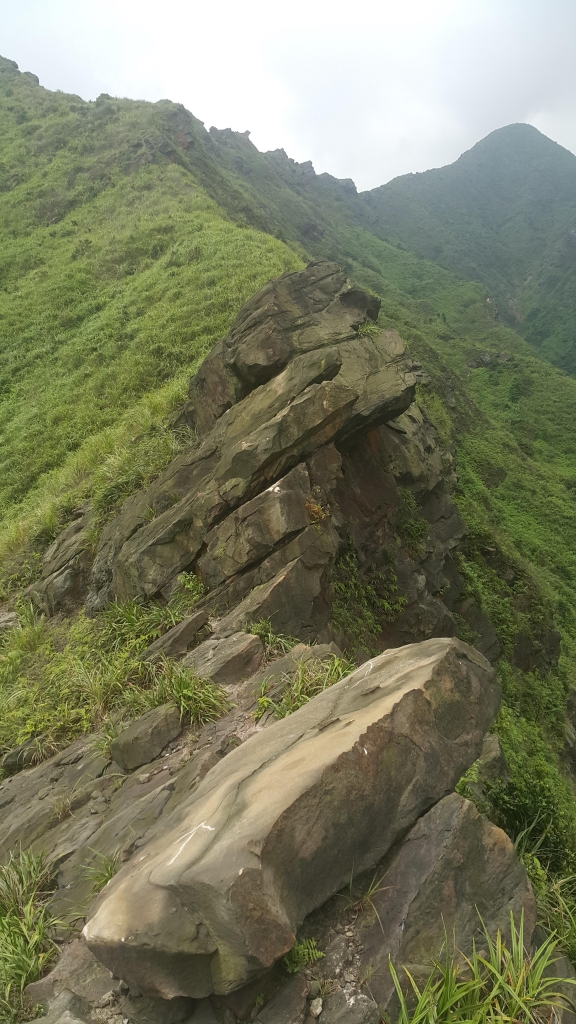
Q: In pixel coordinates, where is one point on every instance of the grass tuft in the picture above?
(312, 677)
(61, 679)
(505, 984)
(26, 947)
(275, 644)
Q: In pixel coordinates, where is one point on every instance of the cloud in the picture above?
(367, 91)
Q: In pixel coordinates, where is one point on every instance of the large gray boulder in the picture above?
(277, 828)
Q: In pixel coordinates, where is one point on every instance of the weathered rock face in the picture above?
(292, 377)
(307, 443)
(65, 569)
(453, 871)
(277, 828)
(296, 313)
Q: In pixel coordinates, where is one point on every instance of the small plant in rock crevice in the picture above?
(318, 512)
(360, 898)
(302, 954)
(369, 329)
(411, 527)
(102, 870)
(275, 644)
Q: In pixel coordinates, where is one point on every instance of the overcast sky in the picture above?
(365, 90)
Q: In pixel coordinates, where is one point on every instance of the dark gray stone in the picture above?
(288, 1005)
(22, 756)
(145, 738)
(177, 640)
(65, 568)
(228, 660)
(453, 868)
(77, 972)
(349, 1007)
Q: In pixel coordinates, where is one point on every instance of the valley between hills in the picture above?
(287, 573)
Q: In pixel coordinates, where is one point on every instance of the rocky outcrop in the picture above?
(308, 443)
(277, 828)
(66, 564)
(316, 496)
(292, 377)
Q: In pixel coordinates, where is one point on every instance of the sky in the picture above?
(366, 90)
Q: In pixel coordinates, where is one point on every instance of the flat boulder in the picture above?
(227, 661)
(146, 737)
(277, 827)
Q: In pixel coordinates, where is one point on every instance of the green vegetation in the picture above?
(312, 676)
(302, 954)
(26, 922)
(118, 273)
(411, 527)
(502, 214)
(364, 599)
(61, 679)
(130, 238)
(275, 644)
(102, 871)
(504, 984)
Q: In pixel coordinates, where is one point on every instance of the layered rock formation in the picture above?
(309, 446)
(316, 496)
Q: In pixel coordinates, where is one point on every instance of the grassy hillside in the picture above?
(130, 238)
(118, 272)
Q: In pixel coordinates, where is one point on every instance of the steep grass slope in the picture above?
(130, 237)
(117, 273)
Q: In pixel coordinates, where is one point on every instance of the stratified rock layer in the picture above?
(278, 827)
(293, 376)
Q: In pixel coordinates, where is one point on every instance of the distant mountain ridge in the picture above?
(503, 214)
